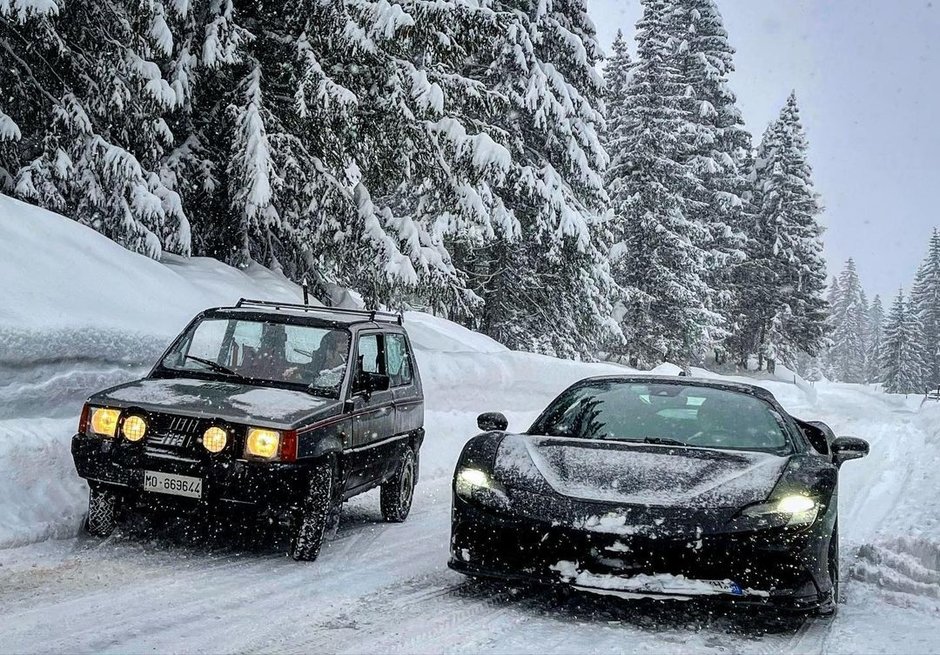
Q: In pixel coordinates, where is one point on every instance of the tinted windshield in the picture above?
(666, 413)
(261, 350)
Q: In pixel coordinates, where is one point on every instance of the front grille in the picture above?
(174, 433)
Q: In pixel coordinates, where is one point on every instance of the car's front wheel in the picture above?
(310, 520)
(399, 490)
(102, 512)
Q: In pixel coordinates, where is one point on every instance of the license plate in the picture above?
(168, 483)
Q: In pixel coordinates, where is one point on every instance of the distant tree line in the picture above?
(900, 349)
(462, 157)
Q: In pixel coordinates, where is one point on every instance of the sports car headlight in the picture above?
(474, 484)
(802, 510)
(104, 421)
(262, 443)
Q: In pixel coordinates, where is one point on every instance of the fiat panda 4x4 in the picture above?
(291, 409)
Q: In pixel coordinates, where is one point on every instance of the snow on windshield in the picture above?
(264, 350)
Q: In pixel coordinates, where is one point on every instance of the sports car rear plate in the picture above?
(168, 483)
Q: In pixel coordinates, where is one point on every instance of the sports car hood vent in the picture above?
(640, 474)
(240, 403)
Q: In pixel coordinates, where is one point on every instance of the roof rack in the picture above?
(371, 314)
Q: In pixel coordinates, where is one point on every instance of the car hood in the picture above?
(239, 403)
(640, 474)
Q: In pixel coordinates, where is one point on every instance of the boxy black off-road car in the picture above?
(288, 408)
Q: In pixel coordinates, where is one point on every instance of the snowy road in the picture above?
(385, 588)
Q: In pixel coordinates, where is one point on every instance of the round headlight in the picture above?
(134, 428)
(214, 439)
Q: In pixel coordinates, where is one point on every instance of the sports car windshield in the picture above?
(668, 414)
(315, 357)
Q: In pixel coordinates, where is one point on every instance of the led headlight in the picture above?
(801, 509)
(262, 443)
(477, 485)
(468, 479)
(104, 421)
(134, 428)
(214, 439)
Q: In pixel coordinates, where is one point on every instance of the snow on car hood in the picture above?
(641, 474)
(227, 400)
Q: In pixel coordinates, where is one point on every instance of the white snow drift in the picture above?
(79, 313)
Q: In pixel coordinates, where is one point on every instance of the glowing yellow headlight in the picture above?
(263, 443)
(795, 504)
(134, 428)
(104, 421)
(214, 439)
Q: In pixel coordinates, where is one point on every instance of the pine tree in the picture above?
(875, 341)
(663, 268)
(849, 320)
(86, 116)
(717, 145)
(925, 297)
(548, 288)
(901, 357)
(783, 310)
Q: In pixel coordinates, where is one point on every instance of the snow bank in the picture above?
(80, 313)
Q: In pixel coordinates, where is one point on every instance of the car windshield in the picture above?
(315, 357)
(669, 414)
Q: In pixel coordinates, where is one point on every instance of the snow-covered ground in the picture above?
(78, 313)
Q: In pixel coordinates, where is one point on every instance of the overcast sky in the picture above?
(867, 78)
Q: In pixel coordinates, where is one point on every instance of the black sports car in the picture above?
(661, 487)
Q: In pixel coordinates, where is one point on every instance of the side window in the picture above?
(398, 360)
(369, 354)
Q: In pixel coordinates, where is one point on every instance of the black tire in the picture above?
(310, 520)
(399, 490)
(102, 512)
(830, 603)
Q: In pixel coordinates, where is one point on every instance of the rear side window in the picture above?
(398, 360)
(369, 354)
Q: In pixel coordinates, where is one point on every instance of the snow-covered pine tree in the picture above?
(549, 290)
(663, 267)
(86, 114)
(356, 145)
(876, 319)
(925, 297)
(783, 309)
(902, 362)
(848, 320)
(717, 145)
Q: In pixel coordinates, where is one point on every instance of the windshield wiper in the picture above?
(215, 366)
(660, 441)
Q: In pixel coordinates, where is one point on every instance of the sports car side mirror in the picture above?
(846, 448)
(491, 421)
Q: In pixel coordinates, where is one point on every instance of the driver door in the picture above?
(373, 415)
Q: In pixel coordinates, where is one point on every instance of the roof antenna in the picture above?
(306, 289)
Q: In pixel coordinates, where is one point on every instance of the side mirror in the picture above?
(846, 448)
(368, 383)
(491, 421)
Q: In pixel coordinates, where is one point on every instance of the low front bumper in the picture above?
(121, 466)
(745, 567)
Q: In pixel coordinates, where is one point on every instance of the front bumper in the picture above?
(766, 567)
(120, 466)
